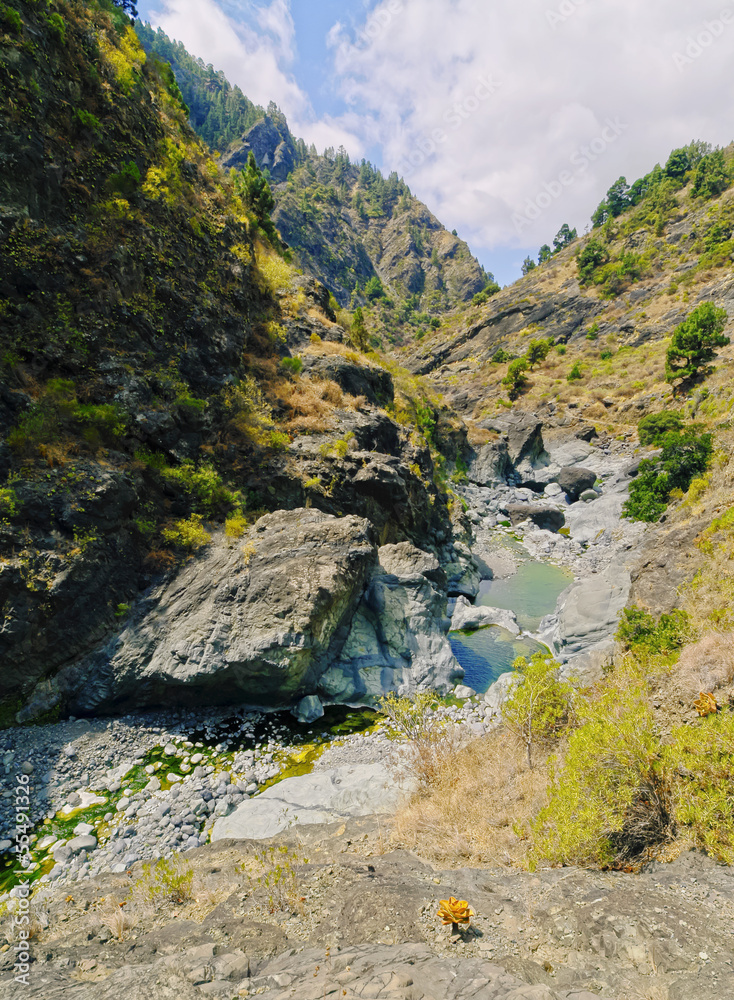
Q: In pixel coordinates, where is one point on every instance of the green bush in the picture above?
(539, 709)
(589, 258)
(701, 756)
(693, 342)
(292, 365)
(187, 534)
(685, 456)
(127, 180)
(516, 380)
(609, 800)
(575, 374)
(640, 632)
(537, 351)
(10, 20)
(202, 485)
(653, 428)
(606, 355)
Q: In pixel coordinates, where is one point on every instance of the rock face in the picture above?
(273, 148)
(361, 379)
(322, 797)
(259, 627)
(397, 640)
(589, 609)
(547, 518)
(299, 613)
(575, 480)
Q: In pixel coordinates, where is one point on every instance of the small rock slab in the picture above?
(323, 797)
(467, 616)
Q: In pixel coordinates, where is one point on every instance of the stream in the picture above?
(531, 592)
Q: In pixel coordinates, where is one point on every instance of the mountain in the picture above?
(346, 223)
(167, 379)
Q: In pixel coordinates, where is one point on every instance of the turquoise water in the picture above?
(531, 593)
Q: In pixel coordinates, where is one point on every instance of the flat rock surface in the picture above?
(323, 797)
(469, 616)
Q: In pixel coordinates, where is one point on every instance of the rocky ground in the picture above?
(352, 917)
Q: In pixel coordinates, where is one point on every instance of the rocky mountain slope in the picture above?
(346, 223)
(167, 378)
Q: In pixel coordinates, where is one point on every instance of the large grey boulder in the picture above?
(320, 797)
(257, 621)
(547, 518)
(575, 481)
(467, 616)
(397, 640)
(489, 464)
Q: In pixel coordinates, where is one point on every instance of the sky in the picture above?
(506, 118)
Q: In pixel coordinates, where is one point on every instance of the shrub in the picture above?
(10, 20)
(169, 880)
(593, 332)
(593, 255)
(685, 456)
(292, 365)
(610, 799)
(702, 757)
(203, 486)
(127, 180)
(516, 380)
(653, 428)
(537, 351)
(539, 709)
(187, 534)
(575, 374)
(605, 355)
(236, 525)
(8, 504)
(693, 342)
(639, 631)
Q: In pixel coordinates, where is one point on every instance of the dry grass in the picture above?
(705, 665)
(469, 807)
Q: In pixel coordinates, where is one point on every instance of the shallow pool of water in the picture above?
(532, 593)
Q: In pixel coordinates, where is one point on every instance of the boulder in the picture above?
(397, 640)
(573, 480)
(547, 518)
(523, 432)
(308, 709)
(498, 692)
(466, 617)
(255, 622)
(588, 496)
(489, 464)
(321, 797)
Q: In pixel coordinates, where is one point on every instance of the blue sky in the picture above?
(507, 119)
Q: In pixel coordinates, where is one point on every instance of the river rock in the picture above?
(259, 628)
(322, 797)
(547, 518)
(78, 844)
(574, 480)
(397, 640)
(498, 692)
(489, 464)
(308, 709)
(588, 496)
(467, 616)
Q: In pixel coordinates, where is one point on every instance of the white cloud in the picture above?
(583, 97)
(255, 52)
